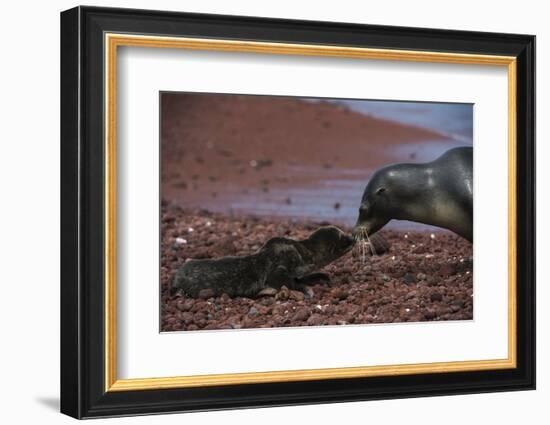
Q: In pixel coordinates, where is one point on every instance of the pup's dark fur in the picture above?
(279, 262)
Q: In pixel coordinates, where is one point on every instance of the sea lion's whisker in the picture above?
(362, 248)
(373, 251)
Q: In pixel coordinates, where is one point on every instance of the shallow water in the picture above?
(451, 119)
(335, 199)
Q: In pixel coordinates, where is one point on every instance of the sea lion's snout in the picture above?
(327, 244)
(371, 218)
(363, 224)
(338, 236)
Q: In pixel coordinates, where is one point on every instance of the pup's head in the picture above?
(328, 244)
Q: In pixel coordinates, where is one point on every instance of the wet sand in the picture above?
(423, 277)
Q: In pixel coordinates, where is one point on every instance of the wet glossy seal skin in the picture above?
(279, 262)
(439, 193)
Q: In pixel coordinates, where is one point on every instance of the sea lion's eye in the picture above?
(381, 190)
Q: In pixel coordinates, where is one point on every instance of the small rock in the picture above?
(315, 320)
(432, 281)
(267, 301)
(301, 315)
(296, 295)
(458, 303)
(248, 323)
(447, 269)
(253, 311)
(436, 296)
(309, 293)
(206, 293)
(455, 308)
(420, 249)
(283, 293)
(268, 291)
(224, 247)
(411, 295)
(340, 294)
(409, 278)
(186, 317)
(385, 300)
(184, 305)
(429, 314)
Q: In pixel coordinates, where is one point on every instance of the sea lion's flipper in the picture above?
(279, 277)
(301, 283)
(312, 278)
(302, 287)
(379, 244)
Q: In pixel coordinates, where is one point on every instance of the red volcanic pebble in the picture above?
(421, 276)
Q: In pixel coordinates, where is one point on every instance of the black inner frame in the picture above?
(82, 212)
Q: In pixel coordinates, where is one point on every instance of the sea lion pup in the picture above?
(279, 262)
(439, 193)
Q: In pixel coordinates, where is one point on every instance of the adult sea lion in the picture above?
(281, 261)
(439, 193)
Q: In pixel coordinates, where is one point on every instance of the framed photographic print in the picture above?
(261, 212)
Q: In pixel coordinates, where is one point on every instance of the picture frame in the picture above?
(90, 40)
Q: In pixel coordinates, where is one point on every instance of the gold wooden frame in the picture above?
(113, 41)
